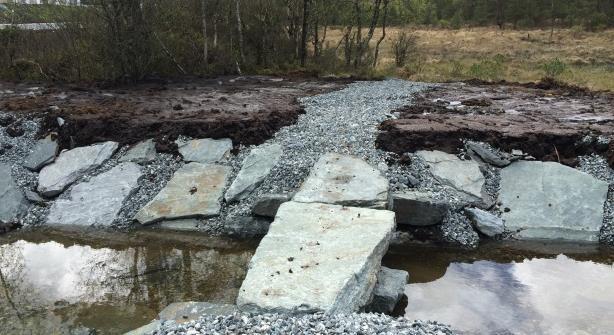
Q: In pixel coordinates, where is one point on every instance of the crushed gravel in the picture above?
(363, 323)
(598, 167)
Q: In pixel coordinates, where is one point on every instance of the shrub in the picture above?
(554, 68)
(457, 69)
(488, 69)
(403, 46)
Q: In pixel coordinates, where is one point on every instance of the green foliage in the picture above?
(488, 69)
(554, 68)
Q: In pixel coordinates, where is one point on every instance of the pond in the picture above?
(61, 282)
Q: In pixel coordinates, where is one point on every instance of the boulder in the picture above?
(487, 154)
(344, 180)
(267, 205)
(195, 191)
(13, 204)
(548, 200)
(317, 258)
(388, 290)
(205, 150)
(256, 166)
(182, 312)
(71, 165)
(485, 222)
(98, 201)
(417, 208)
(463, 176)
(142, 153)
(44, 153)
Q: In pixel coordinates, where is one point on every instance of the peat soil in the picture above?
(249, 110)
(548, 122)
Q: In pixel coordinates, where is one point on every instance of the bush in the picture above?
(488, 69)
(554, 68)
(403, 46)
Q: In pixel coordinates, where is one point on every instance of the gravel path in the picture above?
(307, 324)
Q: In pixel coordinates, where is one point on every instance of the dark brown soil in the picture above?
(548, 125)
(249, 110)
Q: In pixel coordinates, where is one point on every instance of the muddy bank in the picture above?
(248, 110)
(548, 124)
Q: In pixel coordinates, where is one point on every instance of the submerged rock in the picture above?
(388, 290)
(97, 201)
(205, 150)
(417, 208)
(486, 222)
(180, 224)
(182, 312)
(71, 165)
(256, 166)
(142, 153)
(44, 153)
(548, 200)
(195, 191)
(13, 204)
(463, 176)
(267, 205)
(344, 180)
(317, 257)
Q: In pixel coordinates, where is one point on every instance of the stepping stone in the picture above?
(267, 205)
(464, 176)
(98, 201)
(205, 150)
(256, 166)
(195, 191)
(388, 290)
(487, 223)
(548, 200)
(344, 180)
(13, 204)
(71, 165)
(142, 153)
(317, 258)
(417, 208)
(44, 153)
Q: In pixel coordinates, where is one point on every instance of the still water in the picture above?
(520, 288)
(54, 282)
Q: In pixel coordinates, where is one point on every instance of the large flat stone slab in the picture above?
(462, 175)
(141, 153)
(195, 191)
(205, 150)
(44, 153)
(256, 166)
(98, 201)
(417, 208)
(344, 180)
(317, 257)
(13, 204)
(547, 200)
(71, 165)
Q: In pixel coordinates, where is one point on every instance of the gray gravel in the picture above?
(364, 323)
(598, 167)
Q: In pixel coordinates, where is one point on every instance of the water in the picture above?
(511, 288)
(55, 283)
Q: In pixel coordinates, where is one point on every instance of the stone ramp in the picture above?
(317, 258)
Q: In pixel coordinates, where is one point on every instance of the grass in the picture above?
(573, 56)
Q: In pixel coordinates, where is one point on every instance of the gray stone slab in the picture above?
(195, 191)
(547, 200)
(256, 166)
(268, 204)
(182, 312)
(487, 154)
(44, 153)
(146, 329)
(344, 180)
(13, 204)
(388, 290)
(141, 153)
(98, 201)
(485, 222)
(417, 208)
(180, 224)
(71, 165)
(462, 175)
(317, 257)
(205, 150)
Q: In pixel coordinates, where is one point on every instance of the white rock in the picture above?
(141, 153)
(547, 200)
(317, 257)
(464, 176)
(195, 191)
(71, 165)
(256, 166)
(205, 150)
(344, 180)
(97, 201)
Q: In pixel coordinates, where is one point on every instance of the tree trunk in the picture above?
(383, 33)
(205, 41)
(240, 31)
(303, 52)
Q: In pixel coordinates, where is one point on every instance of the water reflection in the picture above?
(535, 296)
(51, 287)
